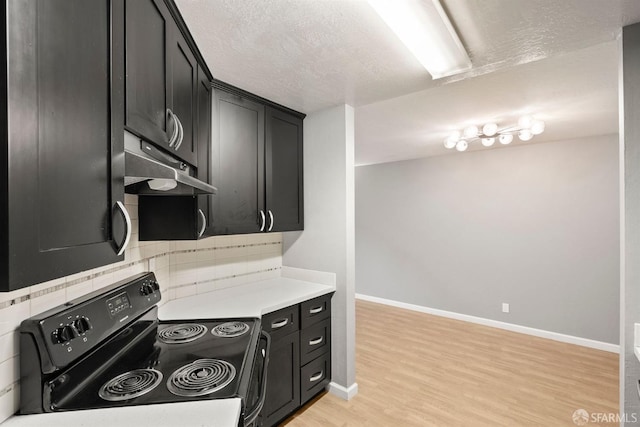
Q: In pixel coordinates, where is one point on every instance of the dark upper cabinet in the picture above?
(283, 169)
(161, 79)
(238, 164)
(203, 136)
(251, 150)
(183, 85)
(148, 25)
(257, 164)
(184, 217)
(62, 121)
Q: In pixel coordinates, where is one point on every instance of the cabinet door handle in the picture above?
(180, 134)
(316, 310)
(316, 341)
(279, 324)
(271, 220)
(316, 377)
(174, 134)
(127, 220)
(204, 223)
(263, 220)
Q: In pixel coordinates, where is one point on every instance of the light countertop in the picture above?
(250, 300)
(209, 413)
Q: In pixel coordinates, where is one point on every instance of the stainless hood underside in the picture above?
(142, 172)
(151, 171)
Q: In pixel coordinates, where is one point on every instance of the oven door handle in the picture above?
(253, 415)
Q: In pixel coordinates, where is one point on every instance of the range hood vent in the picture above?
(152, 172)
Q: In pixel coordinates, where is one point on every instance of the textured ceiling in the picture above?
(575, 94)
(545, 56)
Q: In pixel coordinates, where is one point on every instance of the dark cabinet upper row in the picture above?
(161, 79)
(75, 76)
(256, 164)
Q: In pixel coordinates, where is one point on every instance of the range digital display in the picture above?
(117, 304)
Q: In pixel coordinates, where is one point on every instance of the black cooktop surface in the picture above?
(160, 362)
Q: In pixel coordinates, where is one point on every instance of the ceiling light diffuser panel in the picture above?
(423, 26)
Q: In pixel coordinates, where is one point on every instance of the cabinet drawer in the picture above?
(315, 341)
(281, 322)
(315, 310)
(314, 377)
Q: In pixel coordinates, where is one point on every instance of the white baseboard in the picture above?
(585, 342)
(346, 393)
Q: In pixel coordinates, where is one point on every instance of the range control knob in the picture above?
(64, 334)
(56, 336)
(146, 289)
(155, 285)
(69, 333)
(82, 325)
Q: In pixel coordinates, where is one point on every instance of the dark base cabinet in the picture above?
(300, 358)
(283, 379)
(314, 377)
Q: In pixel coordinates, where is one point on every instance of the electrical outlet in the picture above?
(505, 307)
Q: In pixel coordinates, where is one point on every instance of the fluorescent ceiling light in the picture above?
(423, 26)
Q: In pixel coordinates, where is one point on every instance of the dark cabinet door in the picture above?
(168, 218)
(205, 202)
(183, 75)
(148, 28)
(65, 138)
(283, 379)
(238, 164)
(183, 217)
(284, 186)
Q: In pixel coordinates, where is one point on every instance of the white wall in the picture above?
(630, 230)
(327, 242)
(182, 268)
(532, 225)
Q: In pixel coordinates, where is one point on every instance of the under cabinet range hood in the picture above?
(150, 171)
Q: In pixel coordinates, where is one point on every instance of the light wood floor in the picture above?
(415, 369)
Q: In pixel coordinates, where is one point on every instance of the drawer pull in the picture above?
(316, 377)
(316, 310)
(279, 324)
(316, 341)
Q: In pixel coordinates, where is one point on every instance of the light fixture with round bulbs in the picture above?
(462, 145)
(490, 129)
(471, 131)
(525, 135)
(450, 142)
(537, 127)
(525, 122)
(488, 142)
(505, 138)
(526, 128)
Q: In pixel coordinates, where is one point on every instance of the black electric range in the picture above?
(108, 349)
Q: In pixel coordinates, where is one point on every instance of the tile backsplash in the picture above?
(182, 268)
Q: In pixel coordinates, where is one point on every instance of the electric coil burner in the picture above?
(230, 329)
(130, 385)
(182, 333)
(109, 349)
(204, 376)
